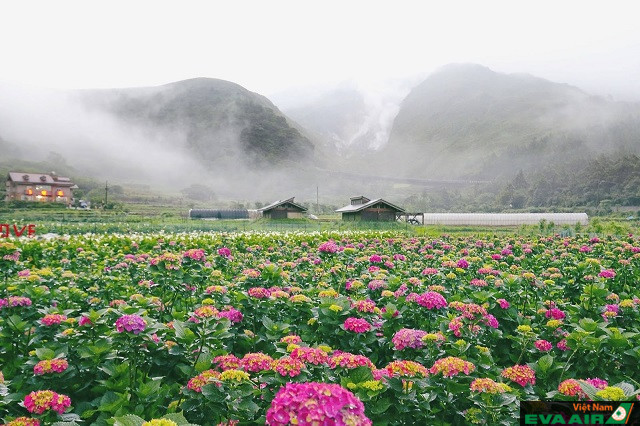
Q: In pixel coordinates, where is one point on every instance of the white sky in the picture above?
(268, 46)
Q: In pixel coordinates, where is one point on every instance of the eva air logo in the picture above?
(621, 415)
(585, 413)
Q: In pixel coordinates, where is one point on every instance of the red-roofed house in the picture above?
(46, 188)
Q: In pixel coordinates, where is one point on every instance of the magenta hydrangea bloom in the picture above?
(555, 313)
(543, 345)
(328, 247)
(40, 401)
(503, 303)
(431, 300)
(14, 301)
(357, 325)
(491, 321)
(231, 314)
(224, 252)
(131, 323)
(607, 273)
(316, 403)
(462, 263)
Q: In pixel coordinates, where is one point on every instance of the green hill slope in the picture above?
(469, 121)
(216, 120)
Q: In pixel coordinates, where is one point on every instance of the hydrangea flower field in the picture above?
(349, 328)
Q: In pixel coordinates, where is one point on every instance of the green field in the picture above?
(171, 218)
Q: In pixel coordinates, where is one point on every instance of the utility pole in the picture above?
(317, 199)
(106, 193)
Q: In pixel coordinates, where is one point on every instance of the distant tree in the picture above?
(116, 190)
(520, 182)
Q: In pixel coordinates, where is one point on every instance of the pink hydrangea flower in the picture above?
(607, 273)
(357, 325)
(316, 403)
(131, 323)
(259, 292)
(328, 247)
(521, 374)
(232, 314)
(195, 254)
(452, 366)
(555, 313)
(84, 320)
(288, 367)
(224, 252)
(431, 300)
(52, 319)
(40, 401)
(543, 345)
(50, 366)
(408, 338)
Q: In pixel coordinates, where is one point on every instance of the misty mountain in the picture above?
(469, 121)
(217, 121)
(199, 131)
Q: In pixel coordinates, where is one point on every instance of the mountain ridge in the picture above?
(463, 116)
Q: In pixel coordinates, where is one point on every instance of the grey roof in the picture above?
(356, 208)
(280, 202)
(36, 179)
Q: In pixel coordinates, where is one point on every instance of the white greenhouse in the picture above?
(504, 219)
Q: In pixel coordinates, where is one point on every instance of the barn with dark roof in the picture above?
(283, 209)
(363, 209)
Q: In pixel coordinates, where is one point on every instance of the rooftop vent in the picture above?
(359, 200)
(25, 177)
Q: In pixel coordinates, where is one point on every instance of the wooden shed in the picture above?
(363, 209)
(283, 209)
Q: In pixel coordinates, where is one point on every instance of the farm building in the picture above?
(504, 219)
(363, 209)
(39, 187)
(285, 209)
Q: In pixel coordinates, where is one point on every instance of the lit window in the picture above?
(29, 191)
(60, 193)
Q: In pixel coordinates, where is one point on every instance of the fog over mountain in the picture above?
(466, 120)
(350, 115)
(204, 131)
(463, 122)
